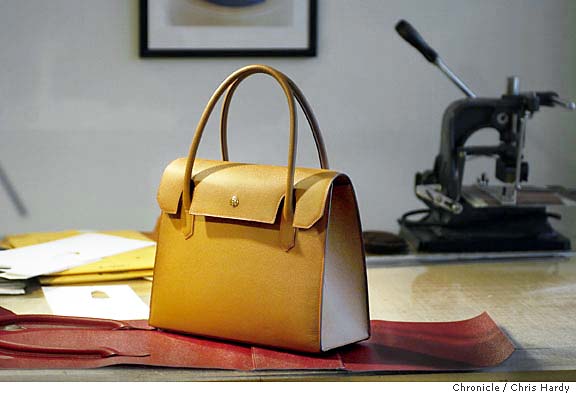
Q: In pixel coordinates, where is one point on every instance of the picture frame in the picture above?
(225, 28)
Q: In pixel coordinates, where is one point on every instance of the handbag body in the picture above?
(260, 254)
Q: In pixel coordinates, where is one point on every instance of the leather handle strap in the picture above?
(306, 108)
(287, 231)
(48, 351)
(75, 322)
(55, 323)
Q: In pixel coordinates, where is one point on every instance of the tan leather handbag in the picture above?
(260, 254)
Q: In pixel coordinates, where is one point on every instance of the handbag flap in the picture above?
(257, 189)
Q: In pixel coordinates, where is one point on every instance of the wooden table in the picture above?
(533, 301)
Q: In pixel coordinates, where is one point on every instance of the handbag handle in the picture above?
(306, 108)
(287, 230)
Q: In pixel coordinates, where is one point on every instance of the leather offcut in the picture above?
(394, 346)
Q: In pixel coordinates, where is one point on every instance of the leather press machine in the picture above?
(508, 216)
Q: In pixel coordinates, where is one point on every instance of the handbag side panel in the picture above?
(345, 312)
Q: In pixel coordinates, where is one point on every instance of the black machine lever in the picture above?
(411, 35)
(414, 38)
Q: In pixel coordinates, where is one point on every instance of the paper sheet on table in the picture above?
(56, 279)
(117, 302)
(29, 239)
(12, 287)
(55, 256)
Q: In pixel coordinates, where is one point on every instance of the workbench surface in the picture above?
(533, 301)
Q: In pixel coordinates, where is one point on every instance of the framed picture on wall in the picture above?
(181, 28)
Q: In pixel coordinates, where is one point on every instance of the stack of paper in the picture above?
(12, 287)
(73, 257)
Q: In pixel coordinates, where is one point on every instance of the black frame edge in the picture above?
(146, 52)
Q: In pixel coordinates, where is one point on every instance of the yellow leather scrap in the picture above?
(135, 260)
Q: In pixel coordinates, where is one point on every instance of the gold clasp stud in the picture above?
(234, 201)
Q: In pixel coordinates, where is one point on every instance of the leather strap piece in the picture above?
(39, 351)
(394, 346)
(72, 322)
(5, 312)
(306, 108)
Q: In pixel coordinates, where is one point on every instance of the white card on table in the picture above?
(118, 302)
